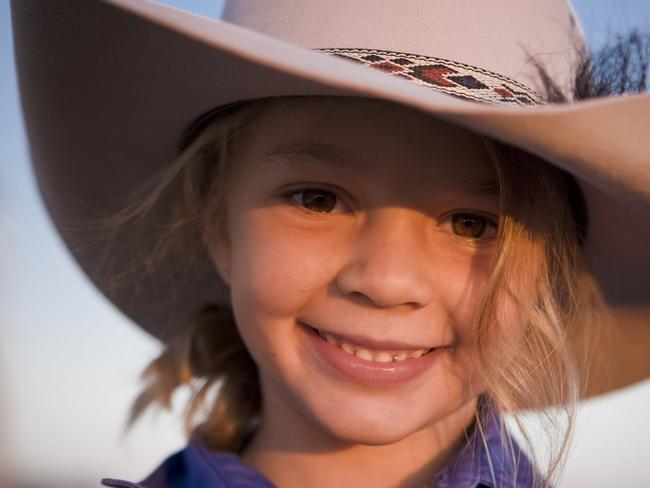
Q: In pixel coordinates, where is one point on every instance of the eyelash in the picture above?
(449, 218)
(290, 197)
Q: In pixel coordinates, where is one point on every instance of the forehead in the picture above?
(370, 136)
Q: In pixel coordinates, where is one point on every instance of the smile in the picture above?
(369, 362)
(379, 356)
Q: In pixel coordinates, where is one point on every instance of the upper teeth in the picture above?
(368, 355)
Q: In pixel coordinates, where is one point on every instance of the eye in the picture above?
(473, 226)
(315, 199)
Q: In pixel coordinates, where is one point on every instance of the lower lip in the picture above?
(352, 368)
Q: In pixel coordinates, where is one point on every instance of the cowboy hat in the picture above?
(108, 88)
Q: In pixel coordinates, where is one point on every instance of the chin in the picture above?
(371, 435)
(385, 418)
(372, 423)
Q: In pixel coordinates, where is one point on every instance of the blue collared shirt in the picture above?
(491, 460)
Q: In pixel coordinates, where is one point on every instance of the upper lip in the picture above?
(372, 343)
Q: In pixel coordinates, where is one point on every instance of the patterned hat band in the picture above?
(442, 75)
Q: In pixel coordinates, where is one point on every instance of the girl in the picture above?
(368, 282)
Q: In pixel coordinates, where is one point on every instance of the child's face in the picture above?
(377, 225)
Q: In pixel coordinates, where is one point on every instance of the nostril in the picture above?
(359, 298)
(384, 283)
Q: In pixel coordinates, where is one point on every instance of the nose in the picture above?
(390, 264)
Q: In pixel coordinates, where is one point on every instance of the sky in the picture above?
(69, 362)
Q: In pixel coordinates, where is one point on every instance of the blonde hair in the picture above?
(542, 228)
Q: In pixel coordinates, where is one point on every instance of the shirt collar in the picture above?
(490, 459)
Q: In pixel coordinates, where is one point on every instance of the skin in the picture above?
(385, 262)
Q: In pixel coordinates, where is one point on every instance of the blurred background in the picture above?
(69, 362)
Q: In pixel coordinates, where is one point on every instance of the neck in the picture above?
(296, 452)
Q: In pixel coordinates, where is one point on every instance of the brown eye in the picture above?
(319, 201)
(473, 226)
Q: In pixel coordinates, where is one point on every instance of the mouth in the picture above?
(369, 362)
(371, 354)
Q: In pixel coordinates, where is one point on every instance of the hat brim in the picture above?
(108, 88)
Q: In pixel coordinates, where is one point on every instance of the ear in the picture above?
(217, 245)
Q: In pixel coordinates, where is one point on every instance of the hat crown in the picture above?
(456, 30)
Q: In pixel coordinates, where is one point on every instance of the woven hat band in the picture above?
(446, 76)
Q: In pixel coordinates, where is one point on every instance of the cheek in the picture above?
(494, 338)
(463, 291)
(491, 345)
(276, 269)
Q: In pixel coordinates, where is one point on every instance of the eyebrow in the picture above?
(482, 187)
(300, 155)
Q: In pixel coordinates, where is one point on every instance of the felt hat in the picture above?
(108, 88)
